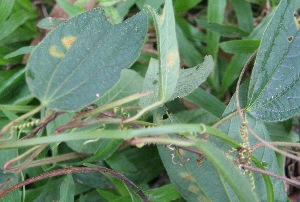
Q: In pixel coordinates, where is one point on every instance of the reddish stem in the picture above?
(65, 171)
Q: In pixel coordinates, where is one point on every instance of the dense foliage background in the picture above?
(210, 41)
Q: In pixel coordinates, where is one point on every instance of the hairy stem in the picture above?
(65, 171)
(258, 170)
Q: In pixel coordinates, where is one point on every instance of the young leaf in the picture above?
(207, 101)
(190, 79)
(13, 22)
(5, 10)
(274, 88)
(70, 8)
(20, 51)
(168, 51)
(240, 46)
(224, 30)
(82, 58)
(67, 189)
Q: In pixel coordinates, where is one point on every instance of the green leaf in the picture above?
(69, 8)
(164, 193)
(189, 180)
(274, 88)
(106, 3)
(5, 156)
(190, 79)
(82, 58)
(240, 46)
(207, 101)
(5, 10)
(228, 171)
(215, 14)
(21, 51)
(232, 128)
(220, 172)
(244, 14)
(224, 30)
(13, 88)
(155, 4)
(129, 84)
(168, 51)
(67, 189)
(151, 83)
(142, 164)
(14, 21)
(186, 35)
(233, 70)
(181, 6)
(49, 23)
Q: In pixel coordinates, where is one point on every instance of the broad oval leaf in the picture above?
(82, 58)
(274, 88)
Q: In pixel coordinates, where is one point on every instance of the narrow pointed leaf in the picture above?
(274, 87)
(82, 58)
(168, 51)
(67, 189)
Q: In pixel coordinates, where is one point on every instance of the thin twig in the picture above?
(223, 120)
(267, 144)
(42, 125)
(282, 144)
(65, 171)
(49, 160)
(258, 170)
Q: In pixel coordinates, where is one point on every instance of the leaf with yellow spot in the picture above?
(68, 41)
(168, 50)
(56, 53)
(164, 77)
(82, 58)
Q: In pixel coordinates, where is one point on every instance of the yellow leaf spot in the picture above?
(55, 53)
(171, 58)
(193, 189)
(202, 198)
(68, 41)
(187, 176)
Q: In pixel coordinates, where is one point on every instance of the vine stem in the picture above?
(65, 171)
(223, 120)
(237, 101)
(258, 170)
(282, 144)
(143, 111)
(24, 116)
(49, 160)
